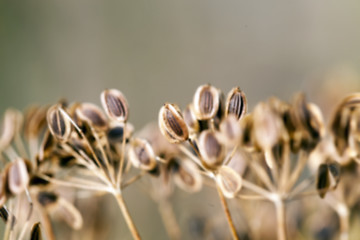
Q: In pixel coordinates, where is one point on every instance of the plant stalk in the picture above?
(125, 212)
(227, 213)
(280, 219)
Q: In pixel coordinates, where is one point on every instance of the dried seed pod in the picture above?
(308, 118)
(11, 124)
(17, 176)
(35, 121)
(115, 105)
(92, 114)
(190, 119)
(211, 149)
(172, 124)
(323, 180)
(46, 146)
(4, 214)
(230, 129)
(60, 208)
(229, 181)
(187, 176)
(36, 232)
(142, 155)
(236, 103)
(268, 127)
(206, 102)
(247, 137)
(59, 123)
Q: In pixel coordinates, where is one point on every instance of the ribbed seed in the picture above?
(206, 102)
(59, 125)
(236, 103)
(115, 105)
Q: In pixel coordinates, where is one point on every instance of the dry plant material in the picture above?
(236, 103)
(59, 124)
(36, 232)
(115, 105)
(211, 149)
(229, 181)
(172, 124)
(206, 102)
(17, 177)
(142, 155)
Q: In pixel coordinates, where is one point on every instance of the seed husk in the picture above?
(187, 176)
(92, 114)
(323, 180)
(229, 181)
(268, 127)
(211, 149)
(11, 125)
(59, 124)
(36, 232)
(172, 124)
(230, 129)
(190, 119)
(141, 154)
(115, 105)
(116, 130)
(236, 103)
(17, 176)
(206, 102)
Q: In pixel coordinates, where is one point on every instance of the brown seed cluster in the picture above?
(278, 152)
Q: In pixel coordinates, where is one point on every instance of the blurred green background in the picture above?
(157, 51)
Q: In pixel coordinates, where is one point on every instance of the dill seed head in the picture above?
(141, 154)
(115, 105)
(59, 124)
(172, 124)
(229, 181)
(92, 114)
(236, 103)
(211, 149)
(206, 102)
(17, 176)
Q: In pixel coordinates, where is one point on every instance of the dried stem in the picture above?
(125, 212)
(227, 213)
(168, 217)
(280, 218)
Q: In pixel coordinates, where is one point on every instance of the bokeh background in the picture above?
(157, 51)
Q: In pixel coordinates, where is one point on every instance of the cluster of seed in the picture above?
(279, 152)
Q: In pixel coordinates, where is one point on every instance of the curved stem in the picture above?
(168, 217)
(125, 212)
(227, 213)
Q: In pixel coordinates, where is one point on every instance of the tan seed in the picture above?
(115, 105)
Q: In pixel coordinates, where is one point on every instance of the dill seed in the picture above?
(323, 180)
(187, 176)
(211, 149)
(229, 181)
(206, 102)
(236, 103)
(115, 105)
(59, 125)
(92, 114)
(172, 124)
(142, 155)
(17, 177)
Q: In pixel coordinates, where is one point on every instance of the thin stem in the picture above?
(231, 155)
(132, 180)
(257, 189)
(125, 212)
(122, 156)
(227, 213)
(297, 171)
(168, 217)
(280, 219)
